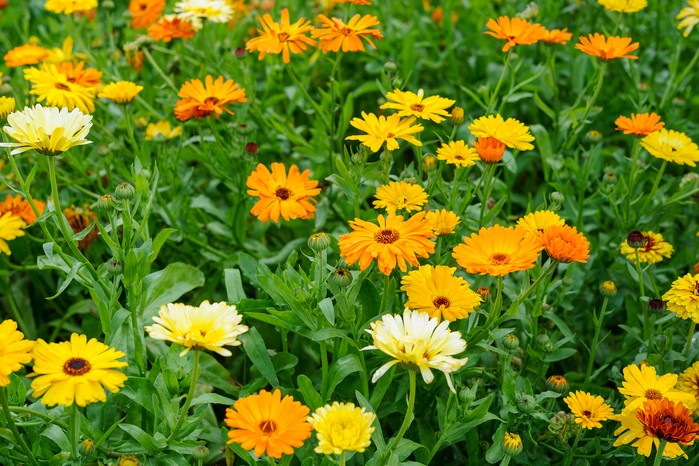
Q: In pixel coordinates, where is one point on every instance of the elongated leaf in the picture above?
(255, 348)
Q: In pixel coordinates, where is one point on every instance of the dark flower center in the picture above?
(386, 236)
(283, 37)
(268, 427)
(211, 100)
(586, 413)
(653, 394)
(283, 193)
(62, 87)
(417, 107)
(441, 301)
(76, 366)
(498, 259)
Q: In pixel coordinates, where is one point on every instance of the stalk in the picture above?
(74, 429)
(571, 453)
(659, 453)
(409, 413)
(595, 339)
(690, 336)
(494, 95)
(13, 428)
(188, 401)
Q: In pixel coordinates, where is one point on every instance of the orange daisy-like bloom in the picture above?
(515, 31)
(556, 36)
(564, 243)
(355, 2)
(268, 423)
(282, 37)
(28, 54)
(171, 27)
(607, 48)
(80, 219)
(199, 101)
(382, 130)
(280, 194)
(337, 35)
(497, 251)
(19, 207)
(489, 149)
(641, 124)
(392, 242)
(76, 73)
(145, 12)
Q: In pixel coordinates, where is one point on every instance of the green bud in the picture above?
(526, 403)
(105, 203)
(510, 341)
(59, 459)
(319, 241)
(200, 452)
(467, 395)
(125, 191)
(544, 342)
(341, 277)
(114, 266)
(86, 447)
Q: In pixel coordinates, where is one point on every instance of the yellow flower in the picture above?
(512, 444)
(688, 382)
(10, 228)
(642, 384)
(49, 130)
(510, 132)
(52, 86)
(410, 104)
(624, 6)
(384, 130)
(458, 153)
(443, 221)
(208, 326)
(654, 250)
(69, 6)
(282, 37)
(7, 106)
(121, 92)
(689, 16)
(439, 293)
(128, 460)
(15, 349)
(75, 371)
(342, 427)
(216, 11)
(400, 195)
(65, 53)
(588, 409)
(683, 298)
(672, 146)
(417, 340)
(539, 221)
(162, 129)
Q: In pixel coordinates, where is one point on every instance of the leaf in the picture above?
(255, 348)
(340, 369)
(282, 294)
(234, 285)
(57, 436)
(212, 399)
(167, 285)
(151, 445)
(310, 395)
(326, 307)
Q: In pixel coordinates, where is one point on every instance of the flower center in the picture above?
(386, 236)
(346, 31)
(417, 107)
(586, 413)
(76, 366)
(211, 100)
(390, 135)
(441, 301)
(283, 193)
(62, 87)
(268, 427)
(653, 394)
(498, 259)
(649, 244)
(283, 37)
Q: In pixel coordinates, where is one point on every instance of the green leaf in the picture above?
(326, 307)
(168, 285)
(57, 436)
(234, 285)
(282, 294)
(340, 369)
(151, 445)
(212, 399)
(255, 348)
(310, 395)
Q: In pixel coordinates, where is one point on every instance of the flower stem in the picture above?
(659, 453)
(494, 95)
(595, 340)
(343, 461)
(74, 429)
(319, 110)
(690, 337)
(13, 428)
(188, 401)
(324, 379)
(672, 84)
(384, 296)
(489, 178)
(571, 452)
(588, 107)
(635, 152)
(408, 413)
(656, 183)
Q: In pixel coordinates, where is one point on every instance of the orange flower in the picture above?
(489, 149)
(171, 27)
(641, 124)
(145, 12)
(29, 54)
(282, 194)
(605, 48)
(392, 242)
(135, 58)
(283, 37)
(515, 31)
(199, 101)
(564, 243)
(80, 219)
(76, 73)
(356, 2)
(557, 36)
(20, 208)
(337, 35)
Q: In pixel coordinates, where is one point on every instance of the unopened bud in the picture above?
(86, 447)
(200, 452)
(429, 163)
(526, 403)
(128, 460)
(512, 444)
(114, 266)
(610, 178)
(457, 115)
(656, 305)
(510, 341)
(341, 277)
(467, 395)
(319, 241)
(636, 239)
(557, 383)
(105, 203)
(544, 342)
(251, 148)
(125, 191)
(608, 288)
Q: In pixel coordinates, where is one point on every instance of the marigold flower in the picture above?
(64, 54)
(337, 35)
(653, 250)
(683, 297)
(79, 220)
(282, 37)
(162, 129)
(588, 409)
(76, 73)
(20, 208)
(7, 106)
(53, 87)
(135, 58)
(539, 221)
(392, 242)
(689, 16)
(642, 384)
(515, 31)
(268, 423)
(385, 130)
(557, 383)
(75, 371)
(512, 444)
(607, 48)
(564, 243)
(409, 104)
(216, 11)
(510, 132)
(641, 124)
(673, 146)
(70, 6)
(121, 92)
(443, 221)
(439, 293)
(342, 427)
(145, 12)
(355, 2)
(29, 54)
(171, 27)
(497, 251)
(458, 153)
(556, 36)
(688, 382)
(10, 228)
(624, 6)
(490, 150)
(16, 350)
(199, 101)
(280, 194)
(400, 195)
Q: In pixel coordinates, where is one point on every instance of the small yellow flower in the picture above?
(400, 195)
(385, 130)
(10, 228)
(588, 409)
(654, 249)
(15, 351)
(682, 298)
(69, 6)
(121, 92)
(510, 132)
(624, 6)
(7, 106)
(673, 146)
(162, 129)
(688, 382)
(458, 153)
(539, 221)
(608, 288)
(409, 104)
(689, 16)
(342, 427)
(443, 221)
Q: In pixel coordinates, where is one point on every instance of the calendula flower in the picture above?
(654, 249)
(20, 207)
(439, 293)
(588, 409)
(385, 130)
(557, 383)
(356, 2)
(29, 54)
(80, 219)
(457, 153)
(400, 195)
(688, 382)
(216, 11)
(673, 146)
(268, 423)
(510, 132)
(497, 251)
(54, 88)
(209, 326)
(70, 6)
(121, 92)
(419, 341)
(135, 58)
(76, 73)
(64, 54)
(171, 27)
(642, 384)
(7, 106)
(49, 130)
(162, 129)
(409, 104)
(490, 150)
(556, 36)
(10, 228)
(512, 444)
(443, 221)
(282, 37)
(392, 242)
(539, 221)
(290, 196)
(624, 6)
(336, 35)
(564, 243)
(683, 297)
(656, 421)
(342, 427)
(16, 351)
(689, 17)
(75, 371)
(641, 124)
(607, 48)
(145, 12)
(199, 100)
(515, 31)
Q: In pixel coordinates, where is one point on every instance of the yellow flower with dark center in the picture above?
(588, 409)
(69, 6)
(282, 37)
(336, 35)
(28, 54)
(400, 195)
(515, 31)
(458, 153)
(564, 243)
(200, 100)
(342, 427)
(673, 146)
(607, 48)
(539, 221)
(393, 242)
(688, 382)
(436, 291)
(385, 130)
(642, 384)
(641, 124)
(419, 341)
(510, 132)
(443, 221)
(409, 104)
(207, 326)
(121, 92)
(14, 350)
(654, 249)
(683, 297)
(75, 371)
(54, 88)
(281, 194)
(7, 106)
(689, 17)
(162, 129)
(624, 6)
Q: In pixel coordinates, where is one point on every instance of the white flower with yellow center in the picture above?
(216, 11)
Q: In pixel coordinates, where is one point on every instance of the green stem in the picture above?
(343, 461)
(654, 189)
(635, 152)
(455, 187)
(13, 428)
(671, 86)
(571, 452)
(494, 95)
(325, 378)
(158, 70)
(319, 110)
(659, 453)
(690, 337)
(130, 132)
(590, 103)
(489, 178)
(188, 401)
(595, 340)
(409, 413)
(74, 429)
(533, 286)
(384, 296)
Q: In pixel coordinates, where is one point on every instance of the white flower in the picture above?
(216, 11)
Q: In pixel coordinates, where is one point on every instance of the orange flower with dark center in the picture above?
(641, 124)
(19, 207)
(171, 27)
(76, 73)
(336, 35)
(669, 421)
(489, 149)
(515, 31)
(28, 54)
(607, 48)
(80, 219)
(289, 196)
(557, 36)
(564, 243)
(145, 12)
(282, 37)
(199, 101)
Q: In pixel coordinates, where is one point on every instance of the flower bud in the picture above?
(200, 452)
(105, 203)
(526, 403)
(239, 53)
(467, 395)
(251, 148)
(510, 341)
(125, 191)
(341, 277)
(557, 383)
(608, 288)
(512, 444)
(544, 342)
(429, 163)
(593, 136)
(319, 241)
(610, 178)
(390, 66)
(86, 447)
(656, 305)
(690, 178)
(483, 292)
(556, 198)
(114, 266)
(636, 239)
(128, 460)
(244, 129)
(457, 115)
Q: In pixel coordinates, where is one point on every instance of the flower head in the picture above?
(409, 104)
(605, 48)
(419, 341)
(171, 27)
(385, 130)
(624, 6)
(641, 124)
(10, 228)
(57, 90)
(458, 153)
(683, 297)
(76, 73)
(556, 383)
(510, 132)
(588, 409)
(673, 146)
(688, 382)
(289, 195)
(490, 150)
(342, 427)
(400, 195)
(268, 423)
(162, 129)
(29, 54)
(539, 221)
(207, 326)
(512, 444)
(336, 35)
(80, 219)
(653, 250)
(16, 351)
(643, 384)
(689, 17)
(556, 36)
(145, 12)
(199, 100)
(70, 6)
(122, 92)
(564, 243)
(443, 221)
(515, 31)
(21, 208)
(7, 106)
(216, 11)
(282, 37)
